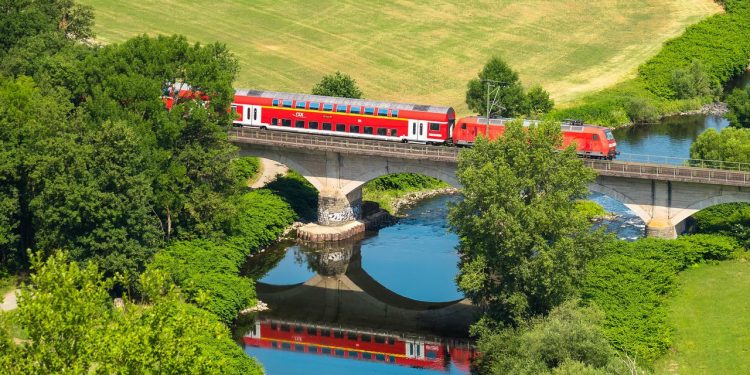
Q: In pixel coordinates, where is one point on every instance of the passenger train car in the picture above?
(590, 141)
(360, 345)
(354, 118)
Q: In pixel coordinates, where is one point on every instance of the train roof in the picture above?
(564, 125)
(344, 101)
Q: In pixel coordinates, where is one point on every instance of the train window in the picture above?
(353, 128)
(340, 127)
(463, 126)
(355, 109)
(379, 339)
(394, 113)
(326, 350)
(234, 109)
(609, 135)
(286, 122)
(383, 112)
(368, 130)
(274, 344)
(325, 332)
(339, 352)
(301, 105)
(328, 107)
(287, 103)
(274, 326)
(382, 131)
(286, 346)
(431, 354)
(312, 349)
(299, 348)
(340, 108)
(380, 357)
(393, 132)
(274, 121)
(595, 137)
(312, 331)
(315, 106)
(285, 327)
(391, 341)
(366, 355)
(434, 126)
(366, 338)
(312, 125)
(353, 354)
(298, 329)
(299, 124)
(276, 102)
(327, 126)
(351, 336)
(338, 334)
(391, 359)
(369, 111)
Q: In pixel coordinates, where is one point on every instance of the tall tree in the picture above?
(523, 245)
(505, 90)
(739, 108)
(337, 84)
(538, 102)
(20, 19)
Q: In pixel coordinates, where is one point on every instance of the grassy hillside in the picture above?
(422, 53)
(711, 316)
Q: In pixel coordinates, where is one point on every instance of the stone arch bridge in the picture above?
(662, 195)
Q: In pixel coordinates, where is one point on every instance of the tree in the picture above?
(506, 90)
(24, 18)
(692, 82)
(337, 84)
(523, 245)
(74, 328)
(739, 108)
(538, 102)
(730, 145)
(569, 340)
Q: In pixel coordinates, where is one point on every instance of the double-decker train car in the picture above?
(357, 344)
(591, 141)
(354, 118)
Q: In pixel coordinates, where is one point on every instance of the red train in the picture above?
(360, 345)
(389, 121)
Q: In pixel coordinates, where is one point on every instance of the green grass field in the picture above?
(711, 316)
(422, 52)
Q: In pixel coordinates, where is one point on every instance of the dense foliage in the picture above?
(299, 193)
(684, 75)
(73, 327)
(567, 341)
(729, 219)
(208, 271)
(337, 84)
(739, 108)
(506, 94)
(630, 284)
(730, 145)
(523, 247)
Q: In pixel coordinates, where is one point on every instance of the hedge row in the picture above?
(631, 283)
(208, 271)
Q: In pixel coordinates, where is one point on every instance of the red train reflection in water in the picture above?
(389, 348)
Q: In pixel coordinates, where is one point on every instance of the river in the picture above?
(387, 303)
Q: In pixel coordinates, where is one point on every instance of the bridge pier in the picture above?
(661, 228)
(336, 208)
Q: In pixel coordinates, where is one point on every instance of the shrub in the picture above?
(299, 193)
(244, 169)
(739, 108)
(692, 82)
(641, 110)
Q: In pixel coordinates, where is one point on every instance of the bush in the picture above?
(641, 110)
(739, 108)
(692, 82)
(590, 210)
(244, 169)
(729, 219)
(299, 193)
(730, 145)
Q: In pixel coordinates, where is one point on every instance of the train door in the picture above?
(417, 130)
(252, 115)
(414, 349)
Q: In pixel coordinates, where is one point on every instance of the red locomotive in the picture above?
(361, 345)
(388, 121)
(590, 141)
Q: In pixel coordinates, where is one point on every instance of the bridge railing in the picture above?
(670, 172)
(685, 162)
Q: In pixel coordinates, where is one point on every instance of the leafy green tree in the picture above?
(523, 246)
(641, 111)
(337, 84)
(20, 19)
(506, 90)
(692, 82)
(74, 328)
(729, 145)
(538, 102)
(569, 340)
(739, 108)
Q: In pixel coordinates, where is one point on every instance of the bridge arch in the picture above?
(290, 162)
(684, 213)
(447, 176)
(622, 198)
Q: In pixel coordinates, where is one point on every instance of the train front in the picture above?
(611, 144)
